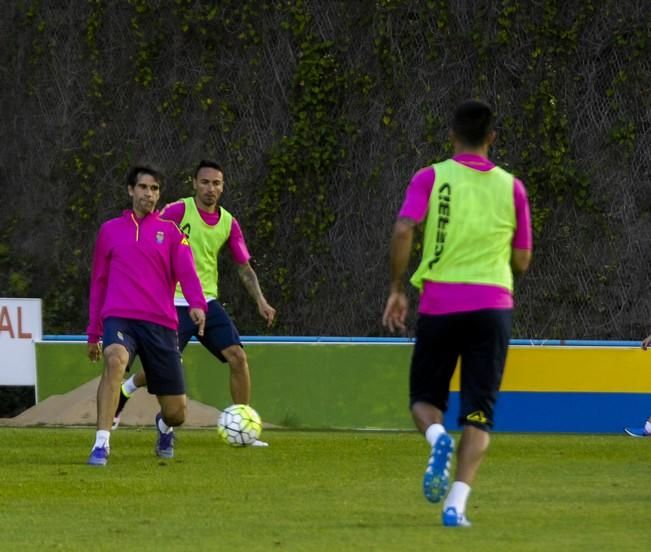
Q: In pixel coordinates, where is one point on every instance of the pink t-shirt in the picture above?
(445, 298)
(236, 244)
(136, 264)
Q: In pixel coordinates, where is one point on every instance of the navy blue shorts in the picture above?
(481, 340)
(219, 332)
(157, 347)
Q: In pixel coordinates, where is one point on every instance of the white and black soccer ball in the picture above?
(239, 425)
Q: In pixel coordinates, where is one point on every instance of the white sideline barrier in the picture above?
(21, 326)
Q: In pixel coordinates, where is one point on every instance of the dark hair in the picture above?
(134, 172)
(472, 122)
(209, 164)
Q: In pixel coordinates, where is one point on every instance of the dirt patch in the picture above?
(79, 407)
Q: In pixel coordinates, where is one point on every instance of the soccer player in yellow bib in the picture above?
(477, 232)
(209, 227)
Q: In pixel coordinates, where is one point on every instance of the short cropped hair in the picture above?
(472, 122)
(208, 164)
(135, 172)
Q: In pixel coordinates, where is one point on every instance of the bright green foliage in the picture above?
(301, 163)
(317, 491)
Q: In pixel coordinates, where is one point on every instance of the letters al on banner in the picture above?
(20, 327)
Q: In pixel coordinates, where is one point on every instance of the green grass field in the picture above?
(317, 491)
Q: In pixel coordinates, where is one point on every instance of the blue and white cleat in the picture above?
(451, 518)
(98, 456)
(637, 432)
(165, 442)
(437, 474)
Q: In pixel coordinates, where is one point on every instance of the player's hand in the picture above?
(267, 312)
(94, 351)
(199, 318)
(646, 342)
(395, 312)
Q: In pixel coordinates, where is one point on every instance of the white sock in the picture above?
(164, 428)
(457, 497)
(647, 427)
(432, 433)
(129, 387)
(102, 438)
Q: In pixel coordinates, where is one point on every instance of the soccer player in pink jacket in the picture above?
(138, 259)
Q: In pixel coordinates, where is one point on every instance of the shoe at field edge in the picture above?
(164, 442)
(98, 456)
(451, 518)
(123, 398)
(437, 474)
(258, 443)
(636, 432)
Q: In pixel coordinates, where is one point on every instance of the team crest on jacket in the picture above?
(160, 237)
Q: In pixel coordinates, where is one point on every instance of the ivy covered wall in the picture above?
(320, 112)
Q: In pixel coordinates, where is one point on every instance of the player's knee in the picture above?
(115, 360)
(477, 419)
(174, 415)
(236, 357)
(422, 403)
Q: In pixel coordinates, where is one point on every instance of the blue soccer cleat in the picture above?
(451, 518)
(98, 456)
(165, 442)
(437, 474)
(637, 432)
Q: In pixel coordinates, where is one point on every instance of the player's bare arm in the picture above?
(400, 252)
(395, 312)
(199, 318)
(646, 342)
(250, 281)
(520, 259)
(94, 351)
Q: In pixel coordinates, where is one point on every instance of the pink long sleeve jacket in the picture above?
(136, 264)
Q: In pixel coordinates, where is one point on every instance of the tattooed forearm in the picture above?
(250, 281)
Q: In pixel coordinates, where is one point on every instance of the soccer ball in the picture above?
(239, 425)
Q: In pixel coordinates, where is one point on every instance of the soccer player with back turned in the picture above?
(477, 232)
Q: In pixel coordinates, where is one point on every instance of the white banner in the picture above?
(20, 327)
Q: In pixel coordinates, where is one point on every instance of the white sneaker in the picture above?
(258, 443)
